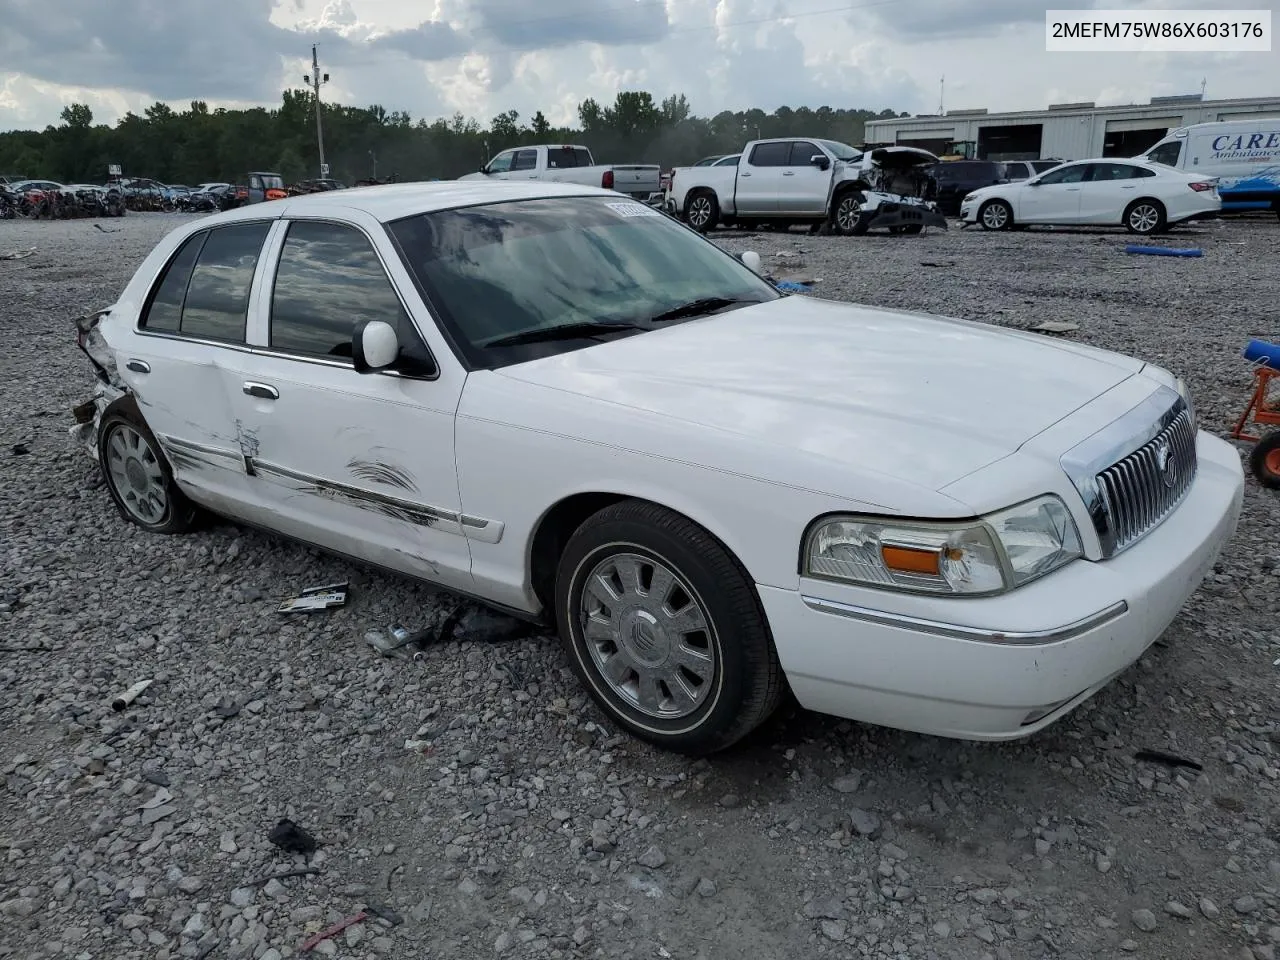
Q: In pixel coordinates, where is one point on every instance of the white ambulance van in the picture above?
(1243, 154)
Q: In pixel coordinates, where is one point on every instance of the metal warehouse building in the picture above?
(1066, 131)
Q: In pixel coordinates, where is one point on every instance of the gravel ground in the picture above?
(518, 823)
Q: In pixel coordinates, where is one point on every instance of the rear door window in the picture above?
(771, 154)
(217, 301)
(525, 160)
(164, 313)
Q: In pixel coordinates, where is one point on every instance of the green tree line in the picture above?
(198, 145)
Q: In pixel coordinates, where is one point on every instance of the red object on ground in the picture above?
(311, 942)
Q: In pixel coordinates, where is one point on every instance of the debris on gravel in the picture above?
(474, 793)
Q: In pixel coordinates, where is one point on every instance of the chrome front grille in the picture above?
(1141, 489)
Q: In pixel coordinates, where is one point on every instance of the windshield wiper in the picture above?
(566, 331)
(698, 307)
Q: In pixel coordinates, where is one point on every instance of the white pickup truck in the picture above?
(820, 182)
(560, 163)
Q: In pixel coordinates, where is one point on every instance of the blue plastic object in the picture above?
(791, 286)
(1262, 352)
(1164, 251)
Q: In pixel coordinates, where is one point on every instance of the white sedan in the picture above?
(1145, 198)
(578, 410)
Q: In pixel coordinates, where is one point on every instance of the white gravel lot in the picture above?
(526, 826)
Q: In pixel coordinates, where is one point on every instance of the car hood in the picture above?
(870, 390)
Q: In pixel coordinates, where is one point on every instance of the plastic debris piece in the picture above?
(316, 598)
(1056, 326)
(290, 837)
(1164, 251)
(130, 695)
(479, 624)
(18, 254)
(791, 286)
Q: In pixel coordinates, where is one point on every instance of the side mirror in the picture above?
(751, 260)
(374, 346)
(1033, 183)
(484, 168)
(820, 161)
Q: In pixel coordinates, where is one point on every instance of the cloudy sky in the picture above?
(434, 57)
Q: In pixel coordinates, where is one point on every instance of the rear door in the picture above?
(803, 186)
(1106, 190)
(192, 328)
(360, 463)
(760, 177)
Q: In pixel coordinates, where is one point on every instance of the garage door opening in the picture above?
(1128, 138)
(1021, 142)
(932, 144)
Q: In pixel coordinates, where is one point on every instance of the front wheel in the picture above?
(996, 215)
(1145, 217)
(663, 627)
(847, 215)
(138, 477)
(1264, 460)
(701, 211)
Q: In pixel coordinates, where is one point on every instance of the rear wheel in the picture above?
(1264, 461)
(138, 477)
(1145, 217)
(996, 215)
(663, 627)
(701, 211)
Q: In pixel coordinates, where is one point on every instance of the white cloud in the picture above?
(481, 57)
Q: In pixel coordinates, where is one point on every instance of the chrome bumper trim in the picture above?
(959, 632)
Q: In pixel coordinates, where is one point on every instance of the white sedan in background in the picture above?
(1143, 197)
(570, 406)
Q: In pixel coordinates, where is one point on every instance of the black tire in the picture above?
(995, 215)
(177, 514)
(746, 681)
(1145, 217)
(846, 214)
(1264, 460)
(702, 210)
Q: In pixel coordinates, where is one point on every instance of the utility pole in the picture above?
(374, 157)
(942, 85)
(1203, 83)
(315, 80)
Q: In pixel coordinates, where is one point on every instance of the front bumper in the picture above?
(1005, 667)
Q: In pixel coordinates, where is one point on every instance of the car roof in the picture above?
(393, 201)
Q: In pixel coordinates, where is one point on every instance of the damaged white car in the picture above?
(822, 183)
(568, 405)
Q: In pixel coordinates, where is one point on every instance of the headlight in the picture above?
(967, 198)
(992, 554)
(1185, 392)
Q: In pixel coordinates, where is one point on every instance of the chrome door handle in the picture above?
(263, 391)
(788, 173)
(744, 174)
(139, 366)
(1128, 186)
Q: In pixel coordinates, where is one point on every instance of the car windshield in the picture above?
(497, 270)
(841, 151)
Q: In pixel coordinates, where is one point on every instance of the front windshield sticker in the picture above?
(633, 210)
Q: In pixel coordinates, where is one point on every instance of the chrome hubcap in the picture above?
(699, 211)
(1144, 218)
(648, 636)
(847, 213)
(135, 474)
(995, 216)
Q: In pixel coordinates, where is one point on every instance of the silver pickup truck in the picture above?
(568, 163)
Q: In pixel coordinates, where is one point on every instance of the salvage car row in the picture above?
(725, 492)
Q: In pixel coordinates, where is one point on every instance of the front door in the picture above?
(257, 189)
(760, 177)
(803, 186)
(359, 463)
(1055, 198)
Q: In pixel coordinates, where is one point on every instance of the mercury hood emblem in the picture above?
(1166, 465)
